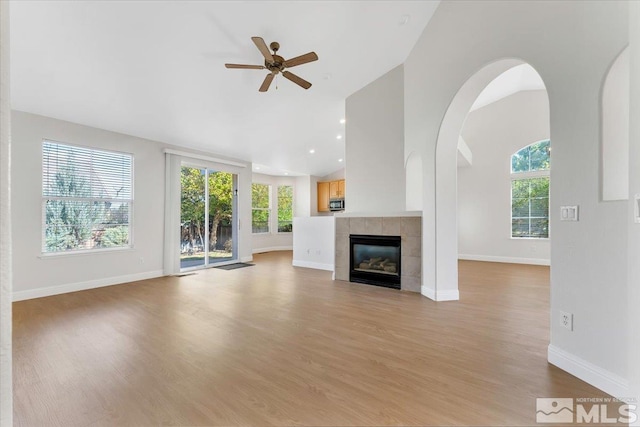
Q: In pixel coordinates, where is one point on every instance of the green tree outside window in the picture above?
(530, 191)
(285, 209)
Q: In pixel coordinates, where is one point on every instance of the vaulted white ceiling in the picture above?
(516, 79)
(156, 70)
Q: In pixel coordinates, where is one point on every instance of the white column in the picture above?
(6, 396)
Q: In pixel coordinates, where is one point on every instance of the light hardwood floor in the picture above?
(277, 345)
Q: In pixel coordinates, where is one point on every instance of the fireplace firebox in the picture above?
(375, 260)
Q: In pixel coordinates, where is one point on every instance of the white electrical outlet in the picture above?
(566, 320)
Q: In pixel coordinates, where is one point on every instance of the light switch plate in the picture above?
(569, 213)
(636, 209)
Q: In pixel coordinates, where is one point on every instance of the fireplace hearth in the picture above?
(375, 260)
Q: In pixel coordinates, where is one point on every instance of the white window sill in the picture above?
(53, 255)
(530, 238)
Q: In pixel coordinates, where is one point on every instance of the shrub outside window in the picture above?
(87, 198)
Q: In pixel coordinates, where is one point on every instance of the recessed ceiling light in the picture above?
(312, 151)
(339, 137)
(343, 121)
(340, 160)
(257, 168)
(286, 173)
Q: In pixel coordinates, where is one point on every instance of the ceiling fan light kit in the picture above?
(276, 64)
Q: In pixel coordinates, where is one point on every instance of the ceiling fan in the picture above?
(277, 64)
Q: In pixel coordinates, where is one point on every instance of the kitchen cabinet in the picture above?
(323, 196)
(333, 190)
(329, 190)
(336, 189)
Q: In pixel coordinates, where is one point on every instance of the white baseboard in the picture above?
(428, 292)
(246, 259)
(452, 295)
(309, 264)
(272, 249)
(82, 286)
(509, 260)
(600, 378)
(449, 295)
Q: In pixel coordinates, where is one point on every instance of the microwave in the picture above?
(336, 204)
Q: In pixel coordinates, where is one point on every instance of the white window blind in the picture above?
(87, 198)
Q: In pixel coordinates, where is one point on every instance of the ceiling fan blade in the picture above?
(266, 83)
(302, 59)
(262, 47)
(250, 67)
(297, 80)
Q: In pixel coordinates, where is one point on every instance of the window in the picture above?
(530, 191)
(87, 198)
(260, 207)
(285, 209)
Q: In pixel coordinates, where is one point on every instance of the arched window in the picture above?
(530, 191)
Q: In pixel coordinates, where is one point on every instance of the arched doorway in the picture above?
(446, 230)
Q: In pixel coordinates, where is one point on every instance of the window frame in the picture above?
(44, 198)
(269, 209)
(526, 175)
(277, 219)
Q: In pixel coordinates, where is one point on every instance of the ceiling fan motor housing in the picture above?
(277, 65)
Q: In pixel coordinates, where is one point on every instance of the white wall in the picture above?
(34, 272)
(334, 176)
(494, 133)
(571, 45)
(615, 130)
(413, 174)
(274, 241)
(36, 275)
(375, 178)
(314, 242)
(302, 195)
(6, 385)
(634, 187)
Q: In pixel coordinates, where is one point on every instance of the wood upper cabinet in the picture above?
(333, 190)
(323, 197)
(329, 190)
(336, 189)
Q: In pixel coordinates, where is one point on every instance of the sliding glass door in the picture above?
(208, 219)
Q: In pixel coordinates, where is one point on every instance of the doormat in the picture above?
(234, 266)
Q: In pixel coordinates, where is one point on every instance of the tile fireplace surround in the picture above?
(409, 228)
